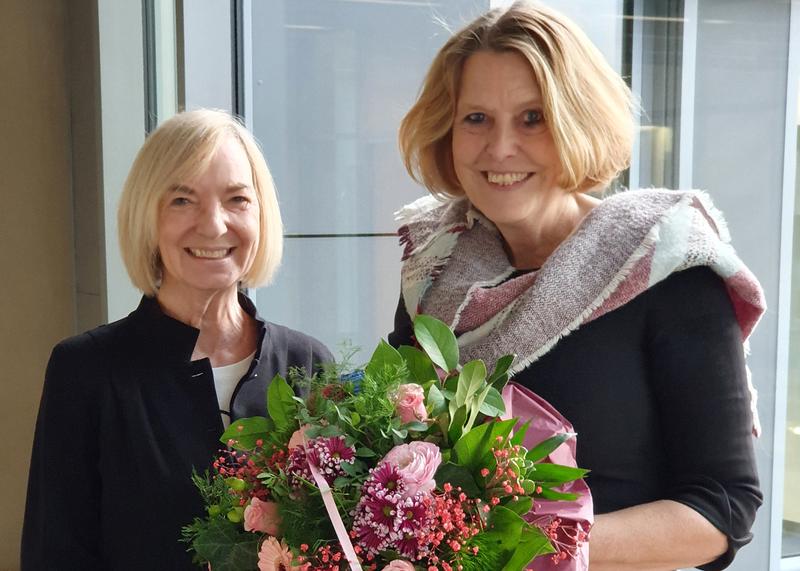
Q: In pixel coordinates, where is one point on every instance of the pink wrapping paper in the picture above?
(545, 421)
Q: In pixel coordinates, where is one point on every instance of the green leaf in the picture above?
(493, 404)
(437, 340)
(419, 364)
(226, 546)
(281, 405)
(384, 356)
(504, 528)
(475, 407)
(519, 436)
(472, 377)
(521, 505)
(252, 429)
(532, 543)
(365, 452)
(457, 476)
(416, 426)
(541, 450)
(457, 420)
(555, 473)
(501, 370)
(435, 401)
(549, 494)
(476, 445)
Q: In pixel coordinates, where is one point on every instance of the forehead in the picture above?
(498, 78)
(229, 164)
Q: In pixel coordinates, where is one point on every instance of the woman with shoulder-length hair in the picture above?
(627, 313)
(130, 408)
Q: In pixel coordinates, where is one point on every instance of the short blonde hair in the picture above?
(586, 104)
(178, 150)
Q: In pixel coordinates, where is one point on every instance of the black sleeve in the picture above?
(403, 333)
(62, 529)
(700, 385)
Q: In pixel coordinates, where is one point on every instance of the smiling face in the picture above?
(503, 152)
(208, 227)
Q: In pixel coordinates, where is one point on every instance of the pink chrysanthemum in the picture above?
(327, 454)
(275, 556)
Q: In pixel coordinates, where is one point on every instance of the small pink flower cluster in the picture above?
(327, 454)
(566, 536)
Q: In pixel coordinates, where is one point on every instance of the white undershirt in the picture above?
(225, 380)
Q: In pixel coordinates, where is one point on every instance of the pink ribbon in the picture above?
(333, 514)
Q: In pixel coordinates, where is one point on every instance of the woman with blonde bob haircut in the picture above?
(620, 310)
(584, 101)
(130, 409)
(182, 146)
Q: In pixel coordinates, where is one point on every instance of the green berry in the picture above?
(236, 515)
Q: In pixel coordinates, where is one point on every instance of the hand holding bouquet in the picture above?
(406, 464)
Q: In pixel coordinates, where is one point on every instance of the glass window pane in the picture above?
(791, 491)
(331, 82)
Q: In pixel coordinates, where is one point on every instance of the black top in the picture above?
(657, 392)
(124, 417)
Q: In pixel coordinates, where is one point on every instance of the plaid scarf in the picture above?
(455, 268)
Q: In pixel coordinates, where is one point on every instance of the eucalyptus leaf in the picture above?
(419, 364)
(541, 450)
(437, 340)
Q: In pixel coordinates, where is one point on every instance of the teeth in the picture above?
(506, 178)
(197, 252)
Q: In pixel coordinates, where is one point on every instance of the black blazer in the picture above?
(125, 415)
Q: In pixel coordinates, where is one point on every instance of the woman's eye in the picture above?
(180, 201)
(533, 118)
(240, 200)
(475, 118)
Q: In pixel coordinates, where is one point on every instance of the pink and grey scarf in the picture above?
(456, 268)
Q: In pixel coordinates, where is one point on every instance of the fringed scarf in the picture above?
(456, 269)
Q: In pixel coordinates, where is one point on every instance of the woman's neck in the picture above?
(530, 244)
(227, 333)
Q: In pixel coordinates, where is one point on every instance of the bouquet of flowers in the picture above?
(409, 463)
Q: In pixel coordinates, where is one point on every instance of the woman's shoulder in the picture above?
(280, 338)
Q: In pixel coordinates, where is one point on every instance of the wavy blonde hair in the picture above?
(178, 150)
(586, 104)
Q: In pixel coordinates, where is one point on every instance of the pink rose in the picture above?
(262, 516)
(399, 565)
(417, 463)
(297, 438)
(410, 403)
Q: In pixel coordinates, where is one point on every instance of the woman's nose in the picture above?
(211, 221)
(502, 142)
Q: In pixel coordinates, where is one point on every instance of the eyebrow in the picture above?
(526, 103)
(232, 187)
